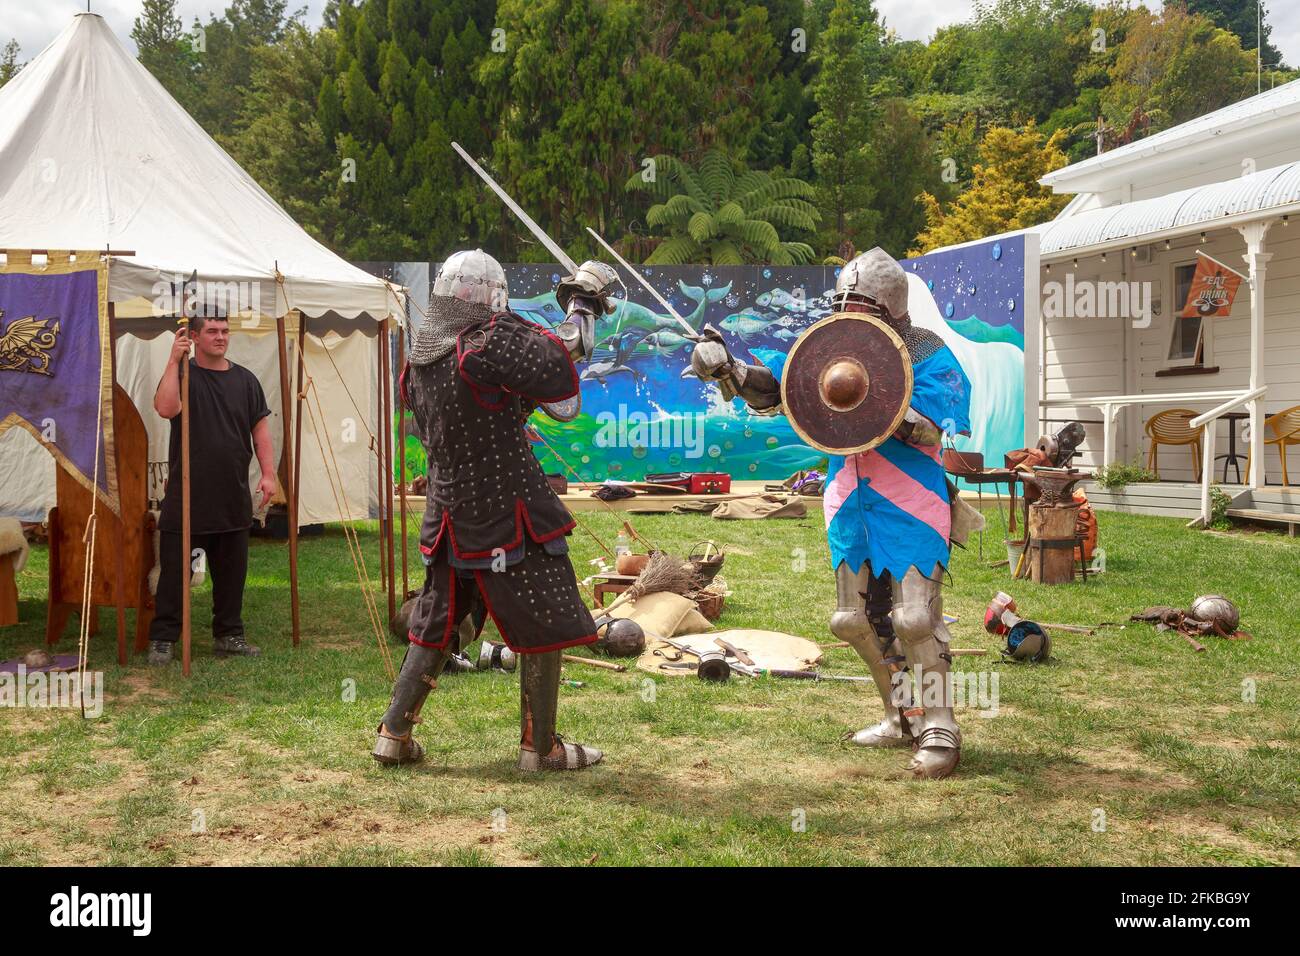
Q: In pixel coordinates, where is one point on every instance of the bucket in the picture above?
(1014, 550)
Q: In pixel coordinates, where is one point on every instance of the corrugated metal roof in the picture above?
(1200, 205)
(1281, 100)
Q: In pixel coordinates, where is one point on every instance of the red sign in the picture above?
(1214, 286)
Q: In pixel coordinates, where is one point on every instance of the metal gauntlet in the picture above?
(919, 430)
(756, 385)
(585, 297)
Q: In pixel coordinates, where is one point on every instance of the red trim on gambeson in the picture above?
(428, 549)
(401, 386)
(576, 642)
(522, 519)
(564, 349)
(415, 640)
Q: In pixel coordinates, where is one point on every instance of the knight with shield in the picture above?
(877, 393)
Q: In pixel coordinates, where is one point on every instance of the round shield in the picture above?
(847, 383)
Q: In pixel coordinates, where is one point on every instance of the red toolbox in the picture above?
(696, 482)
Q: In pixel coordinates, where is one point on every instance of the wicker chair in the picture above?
(1171, 427)
(1282, 429)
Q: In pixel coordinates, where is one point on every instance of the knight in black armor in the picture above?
(494, 533)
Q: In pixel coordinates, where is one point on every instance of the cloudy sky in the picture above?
(35, 24)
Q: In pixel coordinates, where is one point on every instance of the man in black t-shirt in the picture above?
(228, 422)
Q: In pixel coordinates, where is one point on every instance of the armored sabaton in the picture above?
(876, 393)
(494, 533)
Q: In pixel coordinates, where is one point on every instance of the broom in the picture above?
(661, 573)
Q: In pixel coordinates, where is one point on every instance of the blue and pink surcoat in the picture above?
(889, 506)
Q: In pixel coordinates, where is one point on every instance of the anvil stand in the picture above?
(1051, 538)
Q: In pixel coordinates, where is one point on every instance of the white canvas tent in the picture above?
(94, 155)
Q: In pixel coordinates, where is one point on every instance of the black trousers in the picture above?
(225, 559)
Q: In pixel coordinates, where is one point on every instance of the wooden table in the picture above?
(610, 584)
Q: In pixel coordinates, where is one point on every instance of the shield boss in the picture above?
(847, 383)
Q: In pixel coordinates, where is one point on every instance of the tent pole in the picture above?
(287, 460)
(379, 452)
(401, 455)
(119, 580)
(387, 396)
(297, 431)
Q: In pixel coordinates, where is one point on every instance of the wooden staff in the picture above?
(386, 396)
(297, 434)
(184, 323)
(590, 662)
(401, 456)
(287, 460)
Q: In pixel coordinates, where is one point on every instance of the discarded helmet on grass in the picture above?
(619, 637)
(1217, 610)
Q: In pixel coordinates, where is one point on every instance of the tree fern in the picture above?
(719, 214)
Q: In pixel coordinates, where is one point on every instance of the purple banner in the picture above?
(53, 352)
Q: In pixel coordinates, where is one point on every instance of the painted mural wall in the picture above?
(644, 412)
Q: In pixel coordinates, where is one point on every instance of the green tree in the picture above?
(903, 167)
(579, 101)
(9, 65)
(165, 49)
(278, 138)
(1173, 67)
(1005, 193)
(716, 215)
(224, 61)
(1245, 18)
(845, 52)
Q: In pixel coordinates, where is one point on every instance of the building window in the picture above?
(1187, 343)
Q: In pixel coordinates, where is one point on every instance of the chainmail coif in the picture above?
(448, 317)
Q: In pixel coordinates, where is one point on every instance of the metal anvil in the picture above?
(1055, 486)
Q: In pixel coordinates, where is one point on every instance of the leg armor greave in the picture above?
(918, 621)
(419, 675)
(858, 609)
(539, 696)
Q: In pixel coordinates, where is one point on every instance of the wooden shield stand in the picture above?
(124, 553)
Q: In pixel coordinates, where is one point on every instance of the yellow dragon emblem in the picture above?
(26, 344)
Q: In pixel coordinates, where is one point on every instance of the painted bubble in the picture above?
(948, 310)
(997, 250)
(714, 451)
(638, 451)
(1011, 305)
(771, 441)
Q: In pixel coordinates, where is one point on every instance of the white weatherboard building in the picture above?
(1112, 352)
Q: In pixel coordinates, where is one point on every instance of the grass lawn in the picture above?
(268, 760)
